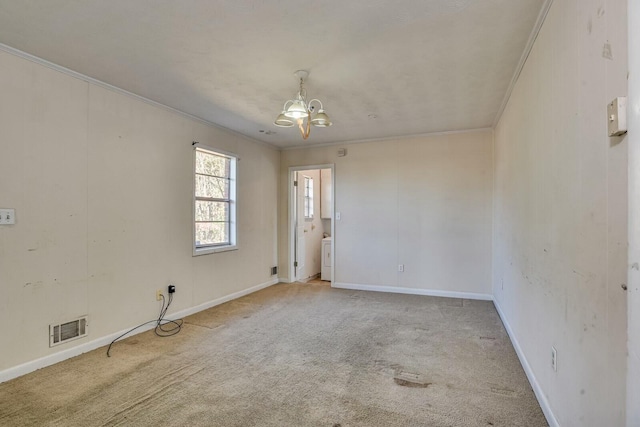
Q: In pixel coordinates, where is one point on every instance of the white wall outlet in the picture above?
(7, 216)
(401, 267)
(554, 359)
(159, 295)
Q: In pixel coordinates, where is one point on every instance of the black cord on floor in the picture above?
(160, 323)
(177, 324)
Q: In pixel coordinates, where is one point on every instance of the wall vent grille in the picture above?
(68, 331)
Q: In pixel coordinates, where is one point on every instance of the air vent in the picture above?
(68, 331)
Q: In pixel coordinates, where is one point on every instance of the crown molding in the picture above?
(523, 59)
(387, 138)
(100, 83)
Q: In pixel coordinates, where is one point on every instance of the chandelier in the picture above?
(299, 110)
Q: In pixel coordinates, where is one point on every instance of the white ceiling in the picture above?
(381, 68)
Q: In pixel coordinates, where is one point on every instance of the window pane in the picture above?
(211, 164)
(212, 233)
(214, 204)
(212, 211)
(308, 197)
(208, 186)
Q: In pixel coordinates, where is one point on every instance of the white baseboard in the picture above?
(413, 291)
(235, 295)
(284, 280)
(542, 399)
(25, 368)
(52, 359)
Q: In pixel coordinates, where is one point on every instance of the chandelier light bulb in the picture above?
(297, 110)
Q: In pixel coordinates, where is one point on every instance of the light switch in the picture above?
(7, 216)
(617, 116)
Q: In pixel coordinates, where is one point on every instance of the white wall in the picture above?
(633, 362)
(424, 202)
(102, 187)
(560, 214)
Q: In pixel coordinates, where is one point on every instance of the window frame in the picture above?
(308, 188)
(233, 203)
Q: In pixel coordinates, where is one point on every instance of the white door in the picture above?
(301, 249)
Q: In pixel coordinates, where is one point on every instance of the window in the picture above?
(214, 201)
(308, 197)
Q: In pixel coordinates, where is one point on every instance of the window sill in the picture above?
(215, 249)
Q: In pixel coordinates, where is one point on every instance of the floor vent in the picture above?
(68, 331)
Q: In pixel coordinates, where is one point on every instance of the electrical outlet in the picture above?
(401, 267)
(554, 359)
(171, 289)
(159, 295)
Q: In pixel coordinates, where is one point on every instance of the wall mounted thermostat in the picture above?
(617, 116)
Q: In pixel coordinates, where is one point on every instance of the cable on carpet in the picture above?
(161, 323)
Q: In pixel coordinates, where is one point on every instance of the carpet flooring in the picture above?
(294, 355)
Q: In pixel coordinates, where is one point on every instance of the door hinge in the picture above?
(295, 263)
(295, 183)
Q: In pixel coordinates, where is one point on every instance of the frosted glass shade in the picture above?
(283, 121)
(321, 120)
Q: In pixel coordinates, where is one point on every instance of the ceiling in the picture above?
(381, 68)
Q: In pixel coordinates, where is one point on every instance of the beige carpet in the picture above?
(294, 355)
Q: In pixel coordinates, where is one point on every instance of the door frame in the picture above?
(291, 216)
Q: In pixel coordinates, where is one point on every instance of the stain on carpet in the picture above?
(503, 391)
(408, 379)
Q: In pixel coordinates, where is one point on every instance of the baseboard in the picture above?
(413, 291)
(284, 280)
(213, 303)
(52, 359)
(542, 399)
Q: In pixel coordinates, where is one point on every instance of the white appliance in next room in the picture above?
(325, 270)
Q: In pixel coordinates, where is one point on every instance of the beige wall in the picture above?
(560, 214)
(424, 202)
(102, 187)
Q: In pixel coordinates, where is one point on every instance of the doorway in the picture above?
(311, 223)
